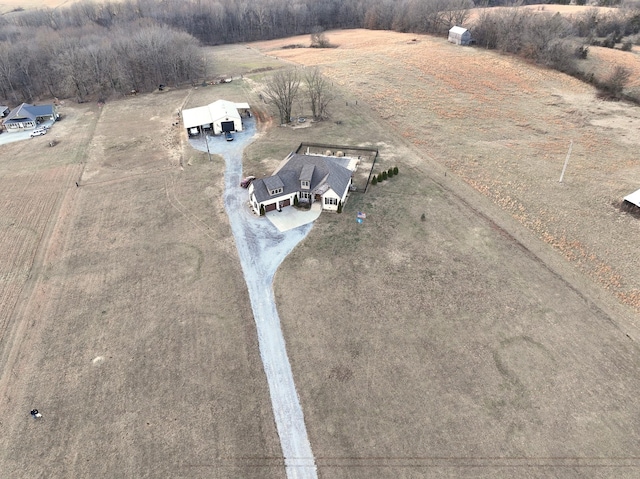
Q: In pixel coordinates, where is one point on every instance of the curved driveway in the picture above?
(262, 248)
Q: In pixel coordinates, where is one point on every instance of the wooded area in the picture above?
(93, 50)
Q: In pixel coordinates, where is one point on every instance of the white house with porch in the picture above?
(215, 118)
(28, 117)
(309, 178)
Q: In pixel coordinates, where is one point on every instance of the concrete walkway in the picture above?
(261, 248)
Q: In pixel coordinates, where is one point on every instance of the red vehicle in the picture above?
(247, 181)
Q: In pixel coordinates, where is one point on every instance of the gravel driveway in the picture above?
(262, 248)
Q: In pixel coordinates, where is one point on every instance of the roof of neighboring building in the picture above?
(634, 198)
(326, 172)
(29, 112)
(459, 30)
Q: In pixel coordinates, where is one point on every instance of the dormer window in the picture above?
(304, 185)
(274, 185)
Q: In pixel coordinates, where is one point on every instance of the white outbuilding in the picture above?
(215, 118)
(633, 198)
(459, 36)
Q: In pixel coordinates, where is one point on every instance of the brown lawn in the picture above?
(480, 323)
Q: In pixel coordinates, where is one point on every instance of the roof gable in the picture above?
(21, 113)
(29, 112)
(307, 172)
(458, 30)
(273, 183)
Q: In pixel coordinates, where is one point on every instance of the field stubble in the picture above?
(461, 339)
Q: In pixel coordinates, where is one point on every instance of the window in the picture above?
(304, 184)
(305, 195)
(330, 201)
(277, 191)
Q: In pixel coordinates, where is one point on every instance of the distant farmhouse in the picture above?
(307, 178)
(215, 118)
(460, 36)
(28, 117)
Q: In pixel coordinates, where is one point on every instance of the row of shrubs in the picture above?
(384, 175)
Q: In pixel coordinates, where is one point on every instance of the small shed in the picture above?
(459, 36)
(4, 111)
(632, 201)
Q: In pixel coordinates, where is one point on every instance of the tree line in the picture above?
(94, 62)
(89, 50)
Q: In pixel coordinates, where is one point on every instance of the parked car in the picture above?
(38, 132)
(247, 181)
(228, 135)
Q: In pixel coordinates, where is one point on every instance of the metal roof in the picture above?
(29, 112)
(459, 30)
(634, 198)
(218, 110)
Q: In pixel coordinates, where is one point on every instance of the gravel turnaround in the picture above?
(261, 248)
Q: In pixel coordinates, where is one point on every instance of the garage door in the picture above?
(286, 202)
(270, 207)
(227, 126)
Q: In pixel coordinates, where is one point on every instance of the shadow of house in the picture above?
(28, 117)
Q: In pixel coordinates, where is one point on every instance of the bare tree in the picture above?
(615, 83)
(319, 39)
(281, 90)
(319, 92)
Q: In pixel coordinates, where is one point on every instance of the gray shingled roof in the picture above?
(273, 182)
(307, 172)
(329, 171)
(29, 112)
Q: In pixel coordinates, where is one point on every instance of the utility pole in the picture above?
(206, 139)
(566, 160)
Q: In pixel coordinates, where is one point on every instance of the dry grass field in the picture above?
(11, 5)
(126, 320)
(489, 340)
(495, 338)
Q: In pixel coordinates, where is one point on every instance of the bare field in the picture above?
(133, 334)
(494, 338)
(505, 128)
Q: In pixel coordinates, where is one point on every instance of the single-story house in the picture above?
(28, 117)
(218, 117)
(459, 36)
(309, 178)
(4, 111)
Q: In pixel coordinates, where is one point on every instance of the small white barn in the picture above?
(633, 198)
(459, 36)
(215, 118)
